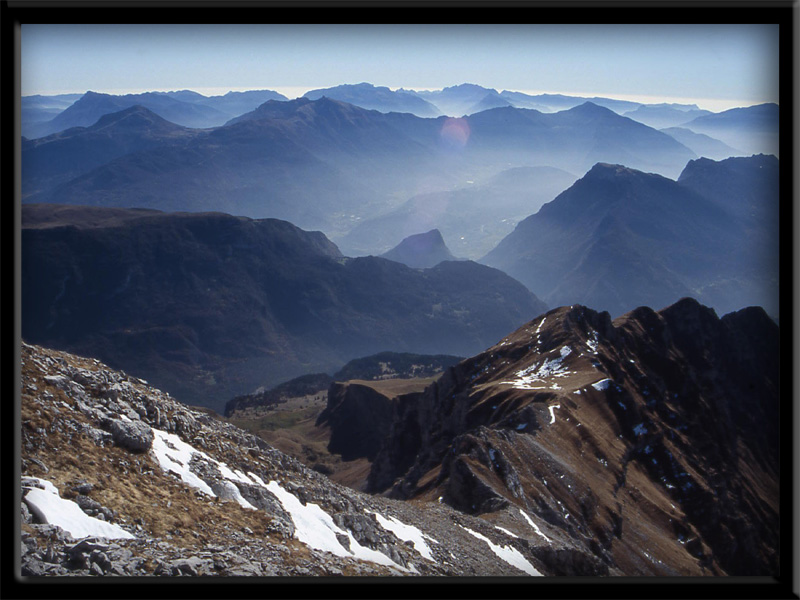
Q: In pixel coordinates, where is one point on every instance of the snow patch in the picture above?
(602, 384)
(506, 553)
(552, 412)
(540, 324)
(526, 377)
(506, 531)
(174, 455)
(592, 342)
(67, 515)
(315, 528)
(407, 533)
(534, 525)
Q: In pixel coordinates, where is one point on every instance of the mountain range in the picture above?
(41, 115)
(753, 129)
(328, 165)
(619, 238)
(186, 108)
(245, 320)
(210, 306)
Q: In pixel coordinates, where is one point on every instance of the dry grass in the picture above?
(133, 485)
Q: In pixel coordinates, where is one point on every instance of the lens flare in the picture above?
(455, 132)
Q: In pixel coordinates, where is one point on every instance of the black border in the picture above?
(15, 12)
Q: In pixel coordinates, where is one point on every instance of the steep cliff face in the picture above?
(359, 417)
(650, 441)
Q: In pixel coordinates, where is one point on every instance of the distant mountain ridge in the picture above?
(55, 159)
(662, 116)
(185, 107)
(473, 218)
(212, 306)
(381, 99)
(620, 237)
(753, 129)
(701, 144)
(421, 251)
(329, 165)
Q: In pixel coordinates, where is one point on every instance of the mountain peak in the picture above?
(590, 108)
(608, 170)
(136, 112)
(422, 250)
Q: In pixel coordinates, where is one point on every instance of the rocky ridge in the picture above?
(648, 444)
(120, 479)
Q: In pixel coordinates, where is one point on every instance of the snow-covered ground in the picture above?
(313, 526)
(507, 553)
(407, 533)
(52, 508)
(525, 378)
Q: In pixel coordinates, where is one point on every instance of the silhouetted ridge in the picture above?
(422, 250)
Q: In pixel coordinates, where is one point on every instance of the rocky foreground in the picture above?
(119, 479)
(577, 445)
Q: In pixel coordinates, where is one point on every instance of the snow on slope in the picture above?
(511, 555)
(313, 526)
(43, 498)
(407, 533)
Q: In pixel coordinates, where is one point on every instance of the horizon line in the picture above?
(295, 92)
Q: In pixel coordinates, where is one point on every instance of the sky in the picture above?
(714, 66)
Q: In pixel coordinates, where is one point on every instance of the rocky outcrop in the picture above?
(614, 433)
(133, 435)
(359, 417)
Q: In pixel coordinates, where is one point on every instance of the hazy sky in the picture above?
(716, 66)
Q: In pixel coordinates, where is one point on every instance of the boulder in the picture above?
(135, 436)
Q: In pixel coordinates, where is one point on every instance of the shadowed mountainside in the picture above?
(210, 306)
(634, 438)
(619, 238)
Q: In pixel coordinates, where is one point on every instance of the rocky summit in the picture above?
(646, 445)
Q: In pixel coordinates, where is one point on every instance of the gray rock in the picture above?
(25, 514)
(87, 504)
(33, 568)
(83, 488)
(98, 436)
(135, 436)
(343, 540)
(225, 489)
